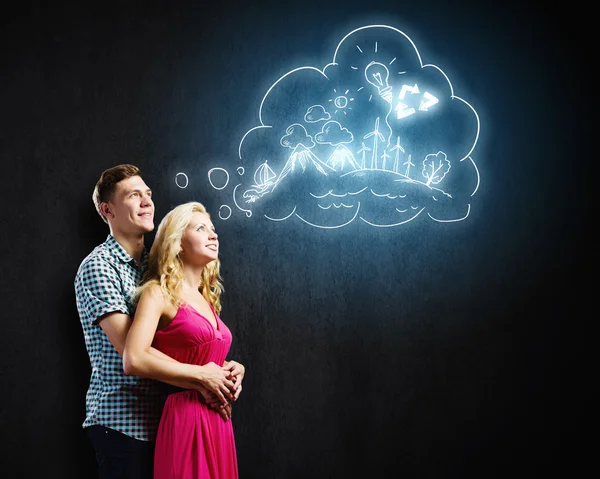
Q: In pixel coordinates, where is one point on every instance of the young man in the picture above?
(123, 411)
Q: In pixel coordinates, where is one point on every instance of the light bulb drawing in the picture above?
(378, 75)
(327, 152)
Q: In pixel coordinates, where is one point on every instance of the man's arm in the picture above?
(116, 326)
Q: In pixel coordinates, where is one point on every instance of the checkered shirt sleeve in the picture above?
(105, 283)
(100, 290)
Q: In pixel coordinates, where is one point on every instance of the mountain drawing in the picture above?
(342, 160)
(302, 160)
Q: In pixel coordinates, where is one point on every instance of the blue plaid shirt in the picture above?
(105, 283)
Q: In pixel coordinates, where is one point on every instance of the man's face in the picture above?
(131, 210)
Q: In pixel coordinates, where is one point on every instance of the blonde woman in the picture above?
(178, 313)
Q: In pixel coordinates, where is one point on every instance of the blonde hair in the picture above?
(165, 267)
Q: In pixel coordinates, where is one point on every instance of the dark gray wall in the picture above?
(411, 352)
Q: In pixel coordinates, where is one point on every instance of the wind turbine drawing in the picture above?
(363, 150)
(385, 156)
(397, 148)
(408, 164)
(376, 135)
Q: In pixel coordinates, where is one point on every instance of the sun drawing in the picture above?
(341, 102)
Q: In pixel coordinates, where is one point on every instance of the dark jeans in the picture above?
(120, 456)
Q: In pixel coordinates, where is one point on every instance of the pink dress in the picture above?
(193, 441)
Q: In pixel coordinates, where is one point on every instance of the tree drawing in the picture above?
(435, 167)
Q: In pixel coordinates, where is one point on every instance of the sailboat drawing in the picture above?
(264, 178)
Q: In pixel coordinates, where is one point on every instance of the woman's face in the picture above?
(199, 243)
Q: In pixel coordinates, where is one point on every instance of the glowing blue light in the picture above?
(375, 135)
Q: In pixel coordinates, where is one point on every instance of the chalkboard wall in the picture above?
(423, 350)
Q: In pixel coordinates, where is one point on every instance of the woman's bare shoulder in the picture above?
(153, 294)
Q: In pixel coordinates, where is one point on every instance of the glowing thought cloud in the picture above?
(375, 135)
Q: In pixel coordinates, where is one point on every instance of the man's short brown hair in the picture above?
(106, 185)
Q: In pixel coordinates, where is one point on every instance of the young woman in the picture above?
(178, 314)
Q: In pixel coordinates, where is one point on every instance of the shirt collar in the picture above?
(117, 250)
